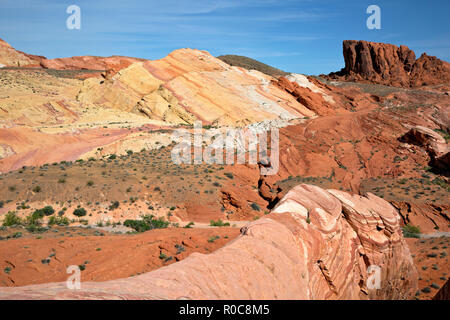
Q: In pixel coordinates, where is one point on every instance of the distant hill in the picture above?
(249, 63)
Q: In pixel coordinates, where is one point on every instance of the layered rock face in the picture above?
(190, 85)
(429, 216)
(10, 57)
(111, 64)
(390, 65)
(315, 244)
(434, 144)
(321, 98)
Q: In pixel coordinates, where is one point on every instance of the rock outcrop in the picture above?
(10, 57)
(315, 244)
(191, 84)
(324, 100)
(111, 64)
(390, 65)
(429, 139)
(428, 216)
(434, 144)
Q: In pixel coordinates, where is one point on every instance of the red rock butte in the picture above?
(390, 65)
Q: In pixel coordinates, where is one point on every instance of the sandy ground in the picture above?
(431, 259)
(103, 256)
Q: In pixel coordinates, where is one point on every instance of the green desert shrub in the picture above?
(229, 175)
(11, 219)
(79, 212)
(60, 221)
(219, 223)
(148, 222)
(255, 206)
(410, 231)
(39, 214)
(114, 205)
(48, 210)
(34, 228)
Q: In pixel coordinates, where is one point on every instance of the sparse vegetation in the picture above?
(148, 222)
(410, 231)
(80, 212)
(60, 221)
(444, 134)
(189, 225)
(219, 223)
(251, 64)
(11, 219)
(212, 239)
(114, 205)
(229, 175)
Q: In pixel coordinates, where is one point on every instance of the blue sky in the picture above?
(303, 36)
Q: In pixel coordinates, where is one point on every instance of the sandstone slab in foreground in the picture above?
(316, 244)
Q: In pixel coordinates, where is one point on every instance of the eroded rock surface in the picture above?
(110, 64)
(316, 244)
(390, 65)
(434, 144)
(10, 57)
(432, 141)
(190, 85)
(429, 216)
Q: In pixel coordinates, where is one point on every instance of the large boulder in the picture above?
(315, 244)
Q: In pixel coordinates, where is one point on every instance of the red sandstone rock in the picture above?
(323, 99)
(432, 141)
(11, 57)
(427, 216)
(316, 244)
(111, 64)
(390, 65)
(14, 58)
(444, 292)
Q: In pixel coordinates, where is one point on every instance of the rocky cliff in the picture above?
(390, 65)
(316, 244)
